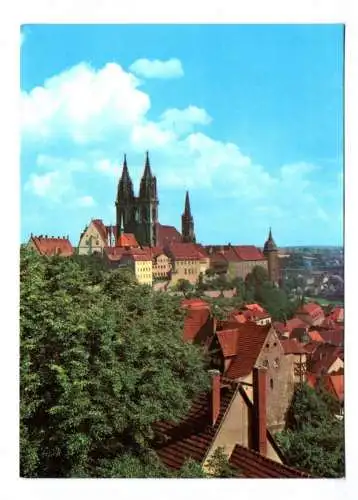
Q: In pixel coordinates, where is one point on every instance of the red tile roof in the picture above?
(294, 323)
(114, 254)
(323, 357)
(279, 327)
(292, 346)
(127, 240)
(248, 344)
(183, 251)
(52, 246)
(137, 254)
(198, 323)
(202, 251)
(251, 464)
(248, 252)
(192, 436)
(167, 235)
(334, 337)
(313, 310)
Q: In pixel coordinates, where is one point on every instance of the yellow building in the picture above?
(161, 264)
(186, 262)
(140, 262)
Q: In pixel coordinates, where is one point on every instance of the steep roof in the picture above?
(193, 435)
(52, 246)
(247, 344)
(251, 464)
(167, 235)
(101, 228)
(127, 240)
(197, 325)
(334, 383)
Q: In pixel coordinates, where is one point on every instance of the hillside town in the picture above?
(257, 358)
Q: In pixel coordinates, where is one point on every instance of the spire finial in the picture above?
(147, 171)
(270, 234)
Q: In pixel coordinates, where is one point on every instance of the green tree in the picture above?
(184, 286)
(314, 438)
(99, 365)
(219, 465)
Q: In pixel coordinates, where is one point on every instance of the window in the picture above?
(275, 344)
(267, 346)
(265, 363)
(271, 383)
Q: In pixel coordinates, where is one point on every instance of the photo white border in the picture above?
(18, 12)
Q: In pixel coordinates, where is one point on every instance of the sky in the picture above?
(248, 118)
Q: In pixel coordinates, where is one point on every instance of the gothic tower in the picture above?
(125, 203)
(271, 254)
(147, 204)
(187, 222)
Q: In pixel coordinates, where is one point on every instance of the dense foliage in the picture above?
(102, 359)
(314, 438)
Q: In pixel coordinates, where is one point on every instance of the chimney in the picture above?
(259, 411)
(214, 401)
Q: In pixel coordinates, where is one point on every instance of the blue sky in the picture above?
(248, 118)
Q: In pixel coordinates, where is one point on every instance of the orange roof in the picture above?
(337, 385)
(337, 314)
(228, 340)
(255, 307)
(315, 336)
(52, 246)
(185, 303)
(127, 240)
(293, 323)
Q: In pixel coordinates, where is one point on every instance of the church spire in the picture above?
(125, 185)
(147, 175)
(187, 211)
(187, 222)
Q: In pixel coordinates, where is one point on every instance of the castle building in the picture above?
(271, 254)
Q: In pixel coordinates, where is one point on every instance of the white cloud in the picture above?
(100, 113)
(86, 201)
(182, 120)
(147, 68)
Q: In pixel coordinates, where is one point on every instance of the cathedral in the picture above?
(138, 215)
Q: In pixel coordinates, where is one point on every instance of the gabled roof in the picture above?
(292, 346)
(251, 464)
(192, 437)
(101, 228)
(248, 344)
(167, 235)
(52, 246)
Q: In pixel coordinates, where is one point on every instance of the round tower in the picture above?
(271, 254)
